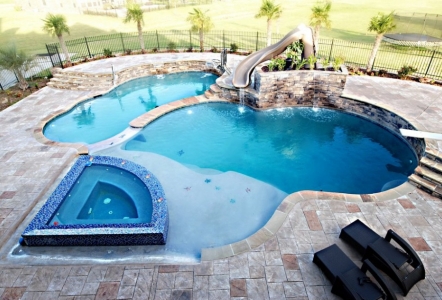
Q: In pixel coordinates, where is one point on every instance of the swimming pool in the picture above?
(107, 115)
(235, 165)
(292, 149)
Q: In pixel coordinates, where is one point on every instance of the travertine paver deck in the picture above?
(279, 269)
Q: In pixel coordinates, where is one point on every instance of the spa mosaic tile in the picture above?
(39, 233)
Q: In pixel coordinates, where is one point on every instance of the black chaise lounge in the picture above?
(350, 282)
(393, 261)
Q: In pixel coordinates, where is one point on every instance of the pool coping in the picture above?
(279, 216)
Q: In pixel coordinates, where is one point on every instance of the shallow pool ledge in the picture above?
(155, 113)
(271, 228)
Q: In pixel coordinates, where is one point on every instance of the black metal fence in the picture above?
(181, 40)
(390, 57)
(40, 67)
(428, 61)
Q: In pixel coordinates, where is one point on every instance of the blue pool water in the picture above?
(292, 149)
(106, 116)
(105, 195)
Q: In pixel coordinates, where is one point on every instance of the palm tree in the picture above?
(320, 17)
(271, 11)
(18, 62)
(201, 23)
(135, 14)
(56, 25)
(381, 23)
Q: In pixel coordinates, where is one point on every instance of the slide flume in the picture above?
(241, 78)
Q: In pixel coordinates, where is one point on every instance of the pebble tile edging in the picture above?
(38, 233)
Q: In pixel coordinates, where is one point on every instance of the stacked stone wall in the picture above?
(315, 89)
(165, 68)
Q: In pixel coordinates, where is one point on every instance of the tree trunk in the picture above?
(22, 82)
(376, 45)
(201, 40)
(269, 32)
(316, 37)
(140, 36)
(63, 47)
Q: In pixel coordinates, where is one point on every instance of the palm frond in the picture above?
(134, 14)
(382, 23)
(55, 25)
(270, 10)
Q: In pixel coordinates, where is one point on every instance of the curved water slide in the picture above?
(241, 78)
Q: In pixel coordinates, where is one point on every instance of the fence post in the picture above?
(87, 46)
(16, 77)
(431, 60)
(158, 40)
(190, 39)
(257, 38)
(59, 58)
(50, 55)
(331, 49)
(122, 42)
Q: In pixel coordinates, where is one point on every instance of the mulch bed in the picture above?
(14, 93)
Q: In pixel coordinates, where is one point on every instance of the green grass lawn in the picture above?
(350, 20)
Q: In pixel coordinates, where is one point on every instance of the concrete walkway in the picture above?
(279, 269)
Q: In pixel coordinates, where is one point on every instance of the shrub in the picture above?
(296, 47)
(300, 64)
(382, 73)
(233, 47)
(406, 71)
(171, 46)
(190, 49)
(33, 84)
(325, 62)
(214, 49)
(154, 49)
(107, 52)
(128, 51)
(337, 62)
(311, 60)
(276, 63)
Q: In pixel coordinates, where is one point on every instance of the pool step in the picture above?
(214, 92)
(80, 81)
(428, 175)
(434, 155)
(209, 95)
(425, 185)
